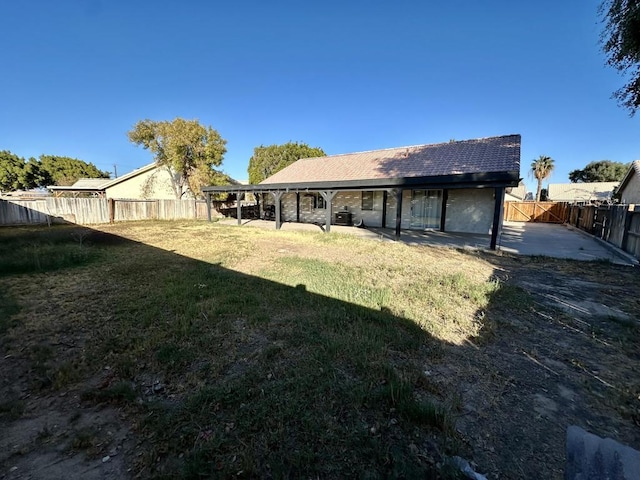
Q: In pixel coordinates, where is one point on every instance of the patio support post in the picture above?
(258, 203)
(384, 209)
(497, 216)
(208, 207)
(328, 199)
(277, 197)
(398, 193)
(298, 207)
(239, 197)
(443, 211)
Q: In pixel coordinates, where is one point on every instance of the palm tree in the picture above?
(541, 168)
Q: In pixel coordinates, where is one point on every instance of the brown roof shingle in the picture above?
(493, 154)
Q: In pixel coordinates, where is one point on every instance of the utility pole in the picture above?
(115, 171)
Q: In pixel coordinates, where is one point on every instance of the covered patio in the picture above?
(452, 187)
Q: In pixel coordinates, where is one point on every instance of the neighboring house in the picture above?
(32, 194)
(458, 186)
(581, 192)
(516, 194)
(148, 182)
(629, 189)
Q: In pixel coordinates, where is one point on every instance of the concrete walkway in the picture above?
(544, 239)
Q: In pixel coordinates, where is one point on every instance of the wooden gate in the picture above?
(543, 212)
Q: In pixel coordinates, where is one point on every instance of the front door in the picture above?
(426, 208)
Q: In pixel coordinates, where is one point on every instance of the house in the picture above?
(516, 194)
(148, 182)
(629, 189)
(581, 192)
(458, 186)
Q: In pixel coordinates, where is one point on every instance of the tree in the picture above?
(602, 171)
(268, 160)
(541, 168)
(56, 170)
(621, 44)
(184, 147)
(11, 167)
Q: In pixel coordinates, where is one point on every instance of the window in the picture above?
(312, 201)
(319, 201)
(367, 200)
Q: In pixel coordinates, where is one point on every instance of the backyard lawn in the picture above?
(193, 350)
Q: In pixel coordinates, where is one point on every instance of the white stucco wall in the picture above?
(153, 184)
(470, 210)
(631, 192)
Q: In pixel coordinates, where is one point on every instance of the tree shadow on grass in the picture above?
(224, 373)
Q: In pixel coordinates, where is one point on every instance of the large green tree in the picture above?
(602, 171)
(56, 170)
(541, 168)
(621, 44)
(18, 173)
(11, 166)
(186, 148)
(271, 159)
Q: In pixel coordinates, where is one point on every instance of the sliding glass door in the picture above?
(426, 207)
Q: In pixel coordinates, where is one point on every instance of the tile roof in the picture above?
(493, 154)
(581, 192)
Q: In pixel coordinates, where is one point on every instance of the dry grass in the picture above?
(265, 354)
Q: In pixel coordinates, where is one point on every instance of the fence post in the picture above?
(112, 210)
(628, 215)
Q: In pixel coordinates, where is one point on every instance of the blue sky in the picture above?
(342, 75)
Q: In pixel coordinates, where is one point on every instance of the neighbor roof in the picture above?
(581, 192)
(91, 183)
(99, 184)
(634, 169)
(482, 155)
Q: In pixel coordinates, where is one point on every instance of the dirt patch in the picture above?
(567, 359)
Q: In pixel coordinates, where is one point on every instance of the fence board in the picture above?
(84, 211)
(614, 226)
(87, 211)
(544, 212)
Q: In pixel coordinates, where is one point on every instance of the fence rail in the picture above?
(87, 211)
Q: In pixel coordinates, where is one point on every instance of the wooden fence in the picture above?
(87, 211)
(617, 224)
(544, 212)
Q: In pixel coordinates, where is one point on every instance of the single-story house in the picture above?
(458, 186)
(629, 189)
(516, 194)
(148, 182)
(581, 192)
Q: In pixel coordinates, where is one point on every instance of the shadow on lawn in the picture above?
(225, 374)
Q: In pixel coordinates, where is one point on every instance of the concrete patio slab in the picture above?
(558, 241)
(532, 239)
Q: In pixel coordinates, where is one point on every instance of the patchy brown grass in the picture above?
(245, 352)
